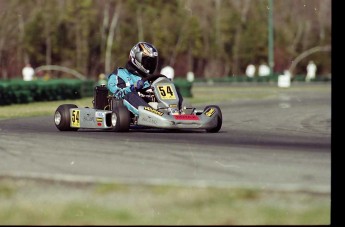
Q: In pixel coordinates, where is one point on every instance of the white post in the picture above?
(285, 79)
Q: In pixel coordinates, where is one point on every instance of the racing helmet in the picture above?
(144, 57)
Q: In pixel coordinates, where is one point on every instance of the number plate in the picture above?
(166, 92)
(75, 118)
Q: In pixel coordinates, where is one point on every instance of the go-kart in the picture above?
(109, 113)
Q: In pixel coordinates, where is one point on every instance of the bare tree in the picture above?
(305, 54)
(242, 7)
(110, 38)
(8, 34)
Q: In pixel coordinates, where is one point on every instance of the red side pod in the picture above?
(187, 117)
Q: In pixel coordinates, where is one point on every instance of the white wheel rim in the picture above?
(113, 119)
(57, 118)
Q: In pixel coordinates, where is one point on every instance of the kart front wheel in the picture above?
(62, 117)
(219, 119)
(120, 119)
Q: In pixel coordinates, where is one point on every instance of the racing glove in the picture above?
(138, 85)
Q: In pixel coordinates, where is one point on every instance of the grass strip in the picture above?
(37, 202)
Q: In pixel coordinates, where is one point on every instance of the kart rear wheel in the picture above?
(219, 119)
(120, 119)
(62, 117)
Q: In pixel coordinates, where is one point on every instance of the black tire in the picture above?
(219, 120)
(120, 119)
(62, 117)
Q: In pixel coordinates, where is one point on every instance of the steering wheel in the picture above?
(152, 77)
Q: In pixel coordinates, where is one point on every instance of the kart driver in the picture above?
(125, 82)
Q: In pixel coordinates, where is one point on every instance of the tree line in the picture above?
(212, 38)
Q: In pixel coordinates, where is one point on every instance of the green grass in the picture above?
(38, 108)
(34, 202)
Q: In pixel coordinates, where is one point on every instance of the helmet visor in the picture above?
(149, 63)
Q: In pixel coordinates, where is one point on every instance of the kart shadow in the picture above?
(147, 130)
(169, 130)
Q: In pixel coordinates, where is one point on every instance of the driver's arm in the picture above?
(117, 86)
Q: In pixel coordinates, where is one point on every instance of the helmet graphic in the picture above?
(144, 57)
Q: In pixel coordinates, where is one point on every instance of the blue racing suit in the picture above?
(119, 84)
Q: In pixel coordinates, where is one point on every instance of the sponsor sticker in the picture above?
(210, 112)
(149, 120)
(153, 111)
(75, 118)
(186, 117)
(99, 114)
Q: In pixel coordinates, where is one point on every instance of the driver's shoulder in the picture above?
(120, 70)
(124, 72)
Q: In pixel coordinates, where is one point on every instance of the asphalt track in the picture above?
(282, 142)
